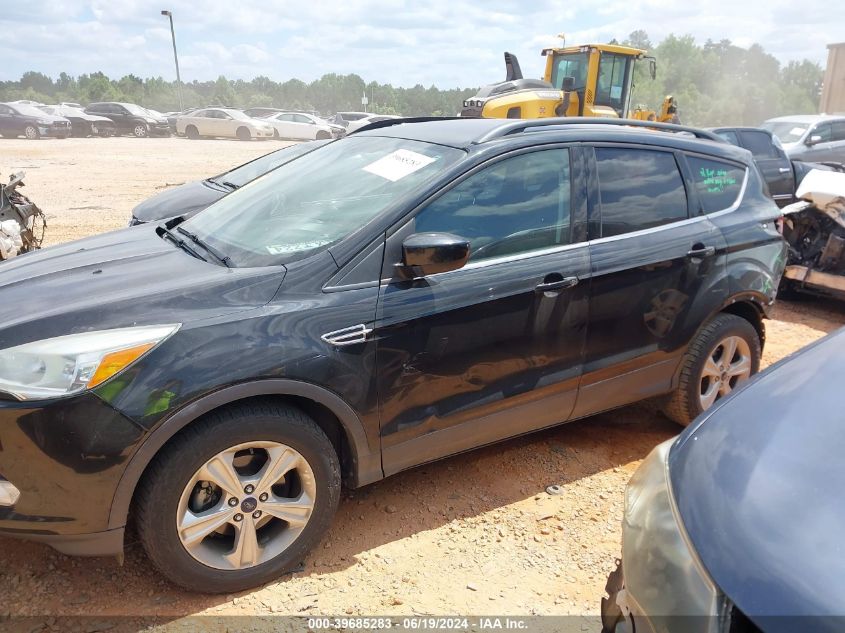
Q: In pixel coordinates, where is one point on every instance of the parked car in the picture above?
(222, 122)
(21, 119)
(732, 526)
(130, 118)
(353, 121)
(299, 126)
(172, 116)
(386, 300)
(191, 198)
(82, 124)
(261, 112)
(781, 173)
(811, 137)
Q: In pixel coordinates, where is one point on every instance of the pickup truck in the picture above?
(782, 175)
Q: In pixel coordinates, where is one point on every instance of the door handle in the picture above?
(702, 251)
(784, 170)
(560, 284)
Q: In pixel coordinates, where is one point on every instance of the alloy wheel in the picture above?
(727, 365)
(140, 130)
(246, 505)
(31, 132)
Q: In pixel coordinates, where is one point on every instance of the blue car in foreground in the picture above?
(736, 525)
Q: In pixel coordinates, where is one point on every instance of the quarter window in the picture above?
(717, 183)
(760, 144)
(639, 189)
(517, 205)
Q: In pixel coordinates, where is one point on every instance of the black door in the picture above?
(773, 164)
(8, 127)
(493, 349)
(657, 274)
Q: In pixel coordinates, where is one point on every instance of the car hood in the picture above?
(187, 199)
(52, 118)
(758, 484)
(119, 279)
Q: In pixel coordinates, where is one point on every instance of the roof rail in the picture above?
(410, 119)
(523, 125)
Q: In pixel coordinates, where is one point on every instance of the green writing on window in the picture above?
(716, 180)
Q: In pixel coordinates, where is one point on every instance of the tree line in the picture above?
(715, 83)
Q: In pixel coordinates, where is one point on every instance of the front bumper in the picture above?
(159, 129)
(666, 588)
(65, 457)
(55, 130)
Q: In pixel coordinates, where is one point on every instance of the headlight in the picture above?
(43, 122)
(64, 365)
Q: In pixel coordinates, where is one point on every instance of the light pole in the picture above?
(175, 58)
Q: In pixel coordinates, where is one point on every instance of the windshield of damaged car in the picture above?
(787, 131)
(26, 109)
(136, 110)
(318, 199)
(239, 176)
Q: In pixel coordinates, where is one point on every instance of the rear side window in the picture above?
(717, 183)
(639, 189)
(729, 136)
(760, 144)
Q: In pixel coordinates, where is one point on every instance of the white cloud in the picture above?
(444, 42)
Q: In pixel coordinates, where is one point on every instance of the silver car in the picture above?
(811, 137)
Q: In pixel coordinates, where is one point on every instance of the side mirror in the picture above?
(430, 253)
(568, 84)
(813, 140)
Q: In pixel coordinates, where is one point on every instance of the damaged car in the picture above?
(814, 229)
(22, 223)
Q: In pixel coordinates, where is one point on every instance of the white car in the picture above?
(222, 122)
(357, 120)
(302, 126)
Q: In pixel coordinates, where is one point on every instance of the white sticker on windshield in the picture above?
(616, 92)
(399, 164)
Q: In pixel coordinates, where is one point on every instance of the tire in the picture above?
(192, 132)
(695, 392)
(31, 132)
(141, 130)
(174, 484)
(322, 135)
(276, 136)
(243, 134)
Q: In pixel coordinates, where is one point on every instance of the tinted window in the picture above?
(838, 131)
(639, 189)
(729, 136)
(517, 205)
(823, 130)
(717, 183)
(610, 89)
(760, 144)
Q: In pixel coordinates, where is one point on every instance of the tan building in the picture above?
(833, 89)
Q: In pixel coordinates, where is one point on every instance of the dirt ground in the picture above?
(474, 534)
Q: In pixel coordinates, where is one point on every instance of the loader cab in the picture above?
(603, 75)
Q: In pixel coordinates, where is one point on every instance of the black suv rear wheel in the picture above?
(239, 498)
(725, 353)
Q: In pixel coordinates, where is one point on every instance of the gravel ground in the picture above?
(474, 534)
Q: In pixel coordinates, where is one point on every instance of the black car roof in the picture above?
(466, 133)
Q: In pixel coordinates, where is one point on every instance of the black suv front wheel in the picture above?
(725, 353)
(238, 499)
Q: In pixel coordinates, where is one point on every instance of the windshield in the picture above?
(312, 202)
(239, 176)
(23, 108)
(237, 114)
(136, 109)
(787, 131)
(570, 65)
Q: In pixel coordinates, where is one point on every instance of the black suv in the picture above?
(130, 118)
(417, 289)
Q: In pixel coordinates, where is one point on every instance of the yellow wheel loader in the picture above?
(593, 80)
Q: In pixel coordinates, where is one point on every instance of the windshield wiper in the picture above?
(180, 243)
(223, 259)
(229, 185)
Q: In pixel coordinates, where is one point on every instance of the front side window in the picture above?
(838, 131)
(717, 183)
(639, 189)
(823, 131)
(516, 205)
(312, 202)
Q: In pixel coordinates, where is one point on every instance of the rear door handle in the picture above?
(704, 251)
(784, 170)
(560, 284)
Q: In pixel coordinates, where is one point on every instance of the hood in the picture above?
(119, 279)
(187, 200)
(94, 118)
(758, 485)
(52, 118)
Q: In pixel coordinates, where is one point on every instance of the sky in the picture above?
(447, 43)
